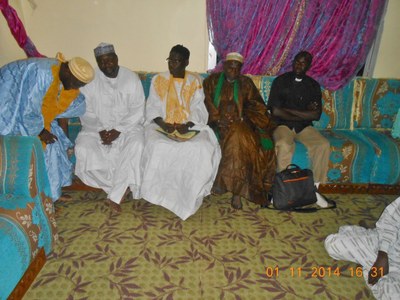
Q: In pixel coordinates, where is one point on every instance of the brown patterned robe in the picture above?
(246, 169)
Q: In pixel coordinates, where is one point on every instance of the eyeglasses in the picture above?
(174, 61)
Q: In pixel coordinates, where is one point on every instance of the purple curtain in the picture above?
(17, 29)
(269, 33)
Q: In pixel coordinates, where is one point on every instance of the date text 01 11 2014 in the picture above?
(319, 272)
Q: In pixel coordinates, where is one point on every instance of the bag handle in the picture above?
(292, 166)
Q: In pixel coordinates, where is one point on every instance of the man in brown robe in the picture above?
(239, 116)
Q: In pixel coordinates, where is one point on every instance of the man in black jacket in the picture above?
(295, 102)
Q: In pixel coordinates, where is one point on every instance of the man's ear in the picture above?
(186, 62)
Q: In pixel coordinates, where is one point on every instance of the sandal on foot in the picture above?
(216, 191)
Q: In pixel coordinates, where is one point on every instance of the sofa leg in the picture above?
(29, 276)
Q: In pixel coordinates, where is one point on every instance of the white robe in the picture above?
(112, 103)
(178, 175)
(360, 245)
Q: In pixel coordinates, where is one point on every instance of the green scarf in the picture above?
(217, 96)
(266, 143)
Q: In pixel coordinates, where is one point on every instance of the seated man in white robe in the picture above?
(109, 146)
(178, 174)
(377, 250)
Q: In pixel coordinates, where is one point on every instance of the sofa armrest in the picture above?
(22, 166)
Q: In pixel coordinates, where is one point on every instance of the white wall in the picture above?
(388, 62)
(143, 31)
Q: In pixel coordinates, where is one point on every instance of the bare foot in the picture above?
(236, 202)
(114, 206)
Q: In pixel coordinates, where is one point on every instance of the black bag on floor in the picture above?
(293, 188)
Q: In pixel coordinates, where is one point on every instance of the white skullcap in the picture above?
(234, 56)
(103, 48)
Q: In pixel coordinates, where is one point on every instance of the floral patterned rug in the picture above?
(146, 252)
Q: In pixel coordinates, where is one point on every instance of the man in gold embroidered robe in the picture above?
(239, 115)
(178, 174)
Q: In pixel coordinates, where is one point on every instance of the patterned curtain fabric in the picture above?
(17, 29)
(269, 33)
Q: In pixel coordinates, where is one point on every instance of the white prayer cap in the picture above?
(103, 48)
(234, 56)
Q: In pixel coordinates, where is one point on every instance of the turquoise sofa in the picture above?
(27, 221)
(357, 120)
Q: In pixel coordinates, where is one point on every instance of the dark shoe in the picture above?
(236, 202)
(268, 202)
(324, 203)
(217, 191)
(331, 203)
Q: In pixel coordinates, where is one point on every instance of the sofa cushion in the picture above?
(351, 159)
(364, 103)
(27, 221)
(386, 159)
(15, 255)
(25, 188)
(376, 102)
(16, 166)
(336, 108)
(396, 126)
(21, 211)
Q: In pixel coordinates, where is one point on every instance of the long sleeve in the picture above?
(76, 108)
(198, 112)
(254, 108)
(90, 122)
(273, 99)
(135, 109)
(388, 226)
(154, 106)
(23, 84)
(209, 92)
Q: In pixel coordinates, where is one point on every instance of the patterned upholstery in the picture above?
(27, 221)
(357, 120)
